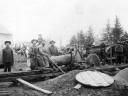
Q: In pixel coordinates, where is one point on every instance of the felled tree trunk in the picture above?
(62, 60)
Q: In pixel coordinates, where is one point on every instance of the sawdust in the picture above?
(64, 86)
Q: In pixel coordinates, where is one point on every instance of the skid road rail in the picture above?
(49, 73)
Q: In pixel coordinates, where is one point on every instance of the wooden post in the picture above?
(111, 55)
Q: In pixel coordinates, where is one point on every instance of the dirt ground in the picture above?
(64, 86)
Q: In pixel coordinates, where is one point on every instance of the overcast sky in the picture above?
(59, 19)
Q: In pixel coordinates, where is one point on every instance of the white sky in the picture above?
(59, 19)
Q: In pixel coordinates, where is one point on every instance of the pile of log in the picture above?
(29, 75)
(48, 73)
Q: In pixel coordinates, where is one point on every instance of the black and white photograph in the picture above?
(63, 47)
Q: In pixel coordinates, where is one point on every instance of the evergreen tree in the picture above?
(107, 35)
(81, 38)
(117, 31)
(73, 40)
(89, 37)
(124, 37)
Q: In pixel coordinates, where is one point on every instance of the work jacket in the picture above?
(53, 51)
(7, 55)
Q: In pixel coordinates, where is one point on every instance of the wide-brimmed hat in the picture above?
(52, 41)
(34, 40)
(7, 42)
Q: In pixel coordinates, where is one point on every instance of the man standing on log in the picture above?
(53, 51)
(7, 57)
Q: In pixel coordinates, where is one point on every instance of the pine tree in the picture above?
(81, 38)
(124, 37)
(117, 31)
(107, 35)
(89, 37)
(73, 40)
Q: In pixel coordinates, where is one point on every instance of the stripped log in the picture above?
(56, 65)
(62, 59)
(33, 86)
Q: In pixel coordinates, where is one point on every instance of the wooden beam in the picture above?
(26, 73)
(33, 86)
(35, 77)
(42, 75)
(21, 73)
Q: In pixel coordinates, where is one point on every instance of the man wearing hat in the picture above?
(32, 54)
(52, 50)
(40, 39)
(7, 57)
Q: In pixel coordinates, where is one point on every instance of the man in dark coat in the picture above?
(119, 53)
(7, 57)
(33, 55)
(52, 50)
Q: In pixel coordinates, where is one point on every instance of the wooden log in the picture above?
(56, 65)
(38, 74)
(62, 59)
(33, 86)
(26, 73)
(107, 68)
(35, 77)
(5, 93)
(21, 73)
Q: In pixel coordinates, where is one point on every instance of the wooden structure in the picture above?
(48, 73)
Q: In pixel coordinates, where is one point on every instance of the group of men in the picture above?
(39, 55)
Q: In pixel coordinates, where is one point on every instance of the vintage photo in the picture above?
(63, 48)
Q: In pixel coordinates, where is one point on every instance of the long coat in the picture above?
(7, 56)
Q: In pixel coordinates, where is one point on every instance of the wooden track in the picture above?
(50, 73)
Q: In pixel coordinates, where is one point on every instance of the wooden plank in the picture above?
(33, 86)
(78, 86)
